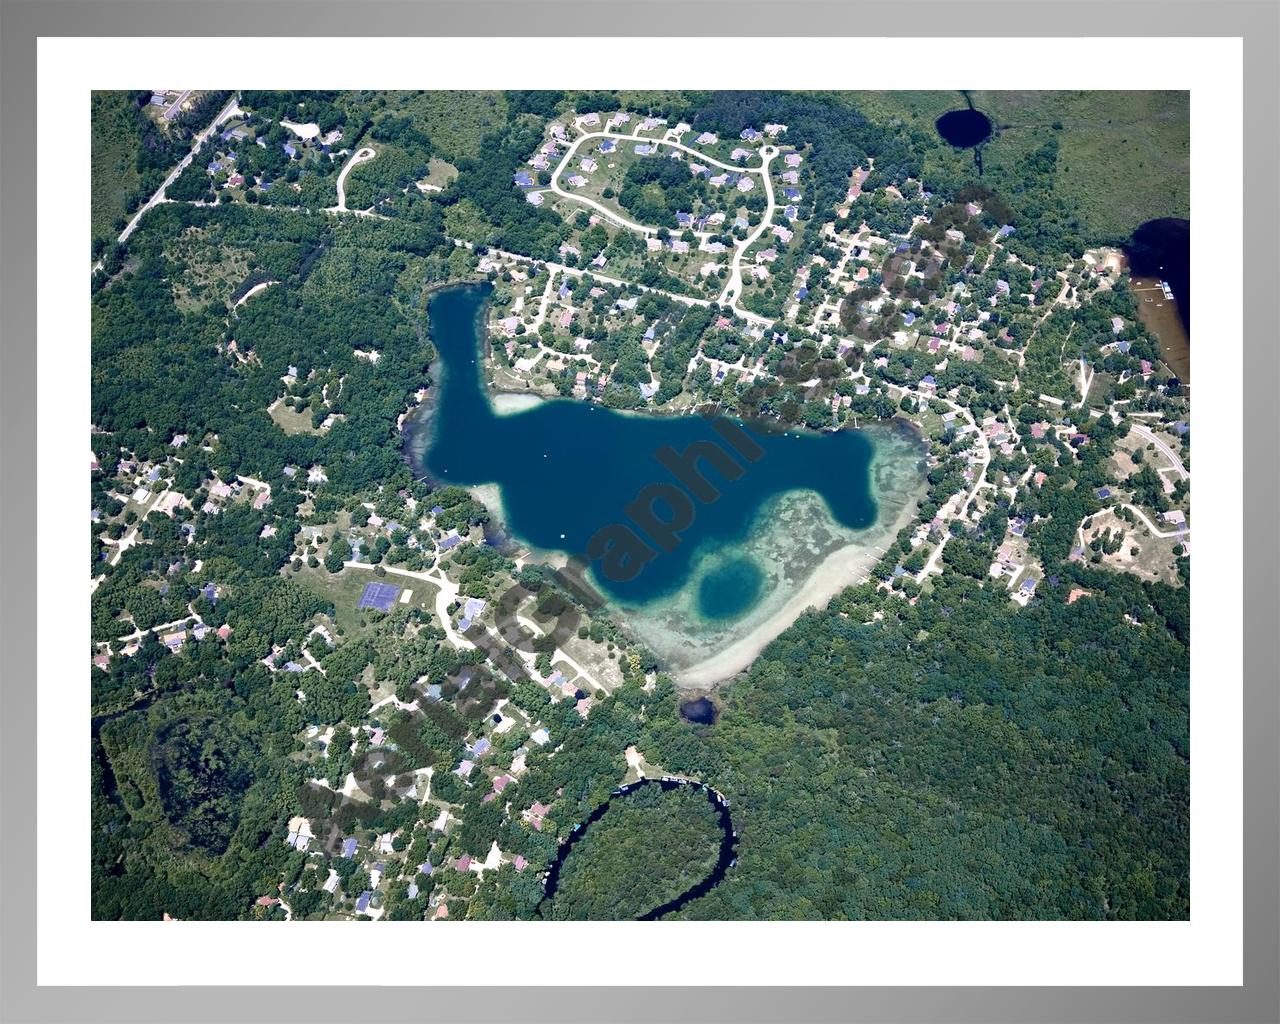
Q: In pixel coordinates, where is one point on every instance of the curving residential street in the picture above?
(360, 156)
(1181, 532)
(733, 288)
(1173, 457)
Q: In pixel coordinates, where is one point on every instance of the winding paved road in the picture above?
(1173, 457)
(360, 156)
(733, 289)
(618, 218)
(1180, 532)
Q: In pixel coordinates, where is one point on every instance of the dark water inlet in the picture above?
(1162, 249)
(726, 858)
(1159, 258)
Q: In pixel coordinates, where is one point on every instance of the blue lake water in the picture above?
(731, 589)
(618, 489)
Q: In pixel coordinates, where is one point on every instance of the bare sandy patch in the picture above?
(505, 403)
(306, 132)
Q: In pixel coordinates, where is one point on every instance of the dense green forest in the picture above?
(648, 848)
(951, 755)
(131, 153)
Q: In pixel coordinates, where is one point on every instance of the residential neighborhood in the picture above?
(335, 678)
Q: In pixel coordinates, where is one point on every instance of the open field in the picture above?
(1124, 157)
(212, 273)
(291, 421)
(113, 158)
(344, 590)
(440, 173)
(1147, 557)
(454, 121)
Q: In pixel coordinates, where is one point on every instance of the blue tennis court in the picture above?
(379, 595)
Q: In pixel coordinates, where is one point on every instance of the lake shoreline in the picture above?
(843, 568)
(1162, 317)
(803, 541)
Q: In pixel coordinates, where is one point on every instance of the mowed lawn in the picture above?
(344, 589)
(1124, 157)
(291, 421)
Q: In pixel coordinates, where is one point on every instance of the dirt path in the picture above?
(254, 291)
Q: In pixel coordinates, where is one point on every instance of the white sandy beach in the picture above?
(842, 568)
(507, 402)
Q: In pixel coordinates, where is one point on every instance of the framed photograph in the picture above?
(673, 521)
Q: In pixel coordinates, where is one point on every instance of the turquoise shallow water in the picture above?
(625, 492)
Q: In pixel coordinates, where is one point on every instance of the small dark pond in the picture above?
(964, 128)
(701, 711)
(728, 855)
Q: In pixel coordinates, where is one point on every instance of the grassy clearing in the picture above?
(344, 589)
(113, 159)
(1124, 157)
(292, 421)
(1145, 556)
(455, 121)
(211, 272)
(594, 658)
(440, 173)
